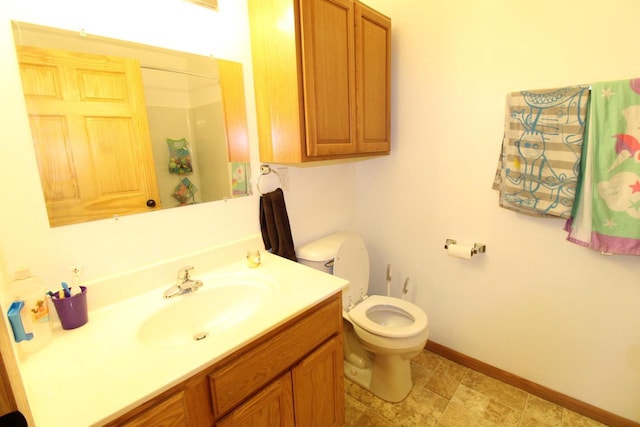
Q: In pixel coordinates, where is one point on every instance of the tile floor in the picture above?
(448, 394)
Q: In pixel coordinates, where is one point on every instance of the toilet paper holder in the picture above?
(478, 248)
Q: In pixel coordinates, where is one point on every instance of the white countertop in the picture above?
(90, 375)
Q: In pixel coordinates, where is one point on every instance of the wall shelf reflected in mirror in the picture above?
(121, 128)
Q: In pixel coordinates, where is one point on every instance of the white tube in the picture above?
(388, 280)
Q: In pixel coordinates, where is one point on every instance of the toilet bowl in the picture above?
(382, 333)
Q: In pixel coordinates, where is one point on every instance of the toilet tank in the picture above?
(321, 253)
(344, 255)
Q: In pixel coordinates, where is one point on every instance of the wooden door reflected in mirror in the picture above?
(121, 128)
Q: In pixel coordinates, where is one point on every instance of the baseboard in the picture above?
(543, 392)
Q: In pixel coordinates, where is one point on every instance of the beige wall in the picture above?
(535, 305)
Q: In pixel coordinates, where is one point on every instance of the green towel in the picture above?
(239, 178)
(607, 213)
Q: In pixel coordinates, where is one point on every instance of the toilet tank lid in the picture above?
(323, 249)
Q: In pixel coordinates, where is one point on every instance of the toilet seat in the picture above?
(351, 262)
(359, 315)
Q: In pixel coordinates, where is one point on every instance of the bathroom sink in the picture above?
(224, 301)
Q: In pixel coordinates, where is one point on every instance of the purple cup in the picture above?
(72, 311)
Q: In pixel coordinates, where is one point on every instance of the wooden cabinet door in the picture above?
(235, 112)
(7, 400)
(328, 60)
(169, 413)
(271, 407)
(185, 405)
(277, 80)
(373, 65)
(90, 133)
(318, 384)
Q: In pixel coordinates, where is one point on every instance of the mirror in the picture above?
(121, 128)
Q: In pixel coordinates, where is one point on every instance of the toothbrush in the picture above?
(388, 280)
(76, 289)
(67, 291)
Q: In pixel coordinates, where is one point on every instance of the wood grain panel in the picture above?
(7, 401)
(168, 413)
(272, 406)
(57, 170)
(235, 112)
(277, 81)
(319, 387)
(102, 86)
(328, 52)
(40, 81)
(373, 41)
(186, 404)
(113, 155)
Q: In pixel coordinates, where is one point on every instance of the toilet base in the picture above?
(389, 377)
(360, 376)
(385, 374)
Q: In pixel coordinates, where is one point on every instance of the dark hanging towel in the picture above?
(13, 419)
(274, 224)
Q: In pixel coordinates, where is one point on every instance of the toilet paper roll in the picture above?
(460, 251)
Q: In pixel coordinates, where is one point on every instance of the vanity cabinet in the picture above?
(292, 376)
(322, 79)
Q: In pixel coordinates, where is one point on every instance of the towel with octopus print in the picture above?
(539, 163)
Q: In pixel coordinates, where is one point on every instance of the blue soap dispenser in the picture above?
(29, 312)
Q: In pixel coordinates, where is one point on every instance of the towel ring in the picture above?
(266, 170)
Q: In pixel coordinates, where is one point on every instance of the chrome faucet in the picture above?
(184, 284)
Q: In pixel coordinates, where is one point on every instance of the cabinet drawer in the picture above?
(250, 371)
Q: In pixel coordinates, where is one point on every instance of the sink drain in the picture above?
(200, 336)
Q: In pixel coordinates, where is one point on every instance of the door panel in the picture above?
(90, 133)
(329, 76)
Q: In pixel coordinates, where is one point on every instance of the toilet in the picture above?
(381, 333)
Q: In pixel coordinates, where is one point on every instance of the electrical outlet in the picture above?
(284, 178)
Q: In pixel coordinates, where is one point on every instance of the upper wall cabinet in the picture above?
(322, 79)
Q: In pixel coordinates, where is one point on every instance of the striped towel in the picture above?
(539, 163)
(606, 216)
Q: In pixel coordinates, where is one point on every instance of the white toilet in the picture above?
(382, 334)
